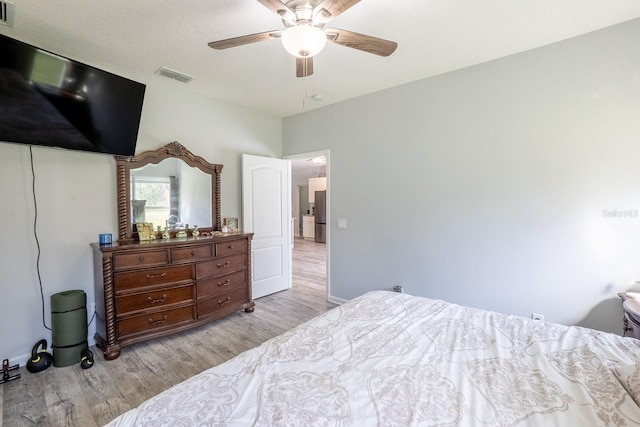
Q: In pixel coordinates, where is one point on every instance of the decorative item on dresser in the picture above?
(149, 285)
(231, 223)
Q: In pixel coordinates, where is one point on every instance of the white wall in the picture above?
(486, 186)
(76, 197)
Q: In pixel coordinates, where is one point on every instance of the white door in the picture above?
(266, 212)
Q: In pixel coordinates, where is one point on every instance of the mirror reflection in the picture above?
(171, 194)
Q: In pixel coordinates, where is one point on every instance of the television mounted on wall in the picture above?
(50, 100)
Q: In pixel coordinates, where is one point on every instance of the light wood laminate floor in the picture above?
(71, 396)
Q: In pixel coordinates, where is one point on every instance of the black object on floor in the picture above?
(6, 377)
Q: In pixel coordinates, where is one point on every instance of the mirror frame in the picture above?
(171, 150)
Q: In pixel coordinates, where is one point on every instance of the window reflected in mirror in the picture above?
(152, 195)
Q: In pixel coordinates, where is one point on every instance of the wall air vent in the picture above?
(181, 77)
(7, 12)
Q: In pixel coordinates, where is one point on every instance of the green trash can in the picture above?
(68, 327)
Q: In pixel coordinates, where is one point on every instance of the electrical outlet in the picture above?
(536, 316)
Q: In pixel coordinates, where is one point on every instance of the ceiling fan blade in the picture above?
(242, 40)
(362, 42)
(336, 7)
(304, 67)
(275, 6)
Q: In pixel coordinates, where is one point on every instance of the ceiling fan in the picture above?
(304, 35)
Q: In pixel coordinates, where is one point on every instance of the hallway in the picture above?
(309, 265)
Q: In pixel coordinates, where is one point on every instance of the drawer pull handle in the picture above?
(157, 300)
(193, 253)
(224, 301)
(225, 265)
(141, 259)
(223, 284)
(158, 322)
(153, 276)
(232, 246)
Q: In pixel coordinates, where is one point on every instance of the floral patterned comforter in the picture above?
(393, 359)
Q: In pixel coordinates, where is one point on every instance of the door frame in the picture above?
(327, 154)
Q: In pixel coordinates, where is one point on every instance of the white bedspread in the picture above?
(391, 359)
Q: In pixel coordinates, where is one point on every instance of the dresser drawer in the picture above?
(157, 276)
(141, 259)
(216, 285)
(220, 266)
(231, 247)
(192, 254)
(233, 297)
(153, 299)
(158, 320)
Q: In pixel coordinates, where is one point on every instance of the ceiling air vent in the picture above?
(7, 12)
(181, 77)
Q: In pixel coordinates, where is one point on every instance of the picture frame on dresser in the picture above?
(145, 231)
(231, 223)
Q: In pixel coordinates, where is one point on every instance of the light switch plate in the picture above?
(342, 224)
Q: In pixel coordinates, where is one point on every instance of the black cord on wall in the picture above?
(35, 234)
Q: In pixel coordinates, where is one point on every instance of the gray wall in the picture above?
(487, 186)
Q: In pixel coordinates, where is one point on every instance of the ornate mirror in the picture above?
(170, 188)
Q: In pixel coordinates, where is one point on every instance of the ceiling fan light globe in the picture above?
(304, 40)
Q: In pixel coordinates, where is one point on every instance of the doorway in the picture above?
(310, 258)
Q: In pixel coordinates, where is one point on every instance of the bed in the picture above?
(392, 359)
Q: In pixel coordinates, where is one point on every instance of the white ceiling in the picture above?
(136, 37)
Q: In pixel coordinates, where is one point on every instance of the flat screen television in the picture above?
(49, 100)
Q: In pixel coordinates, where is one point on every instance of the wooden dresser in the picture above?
(150, 289)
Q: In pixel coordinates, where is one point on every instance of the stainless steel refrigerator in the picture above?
(320, 214)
